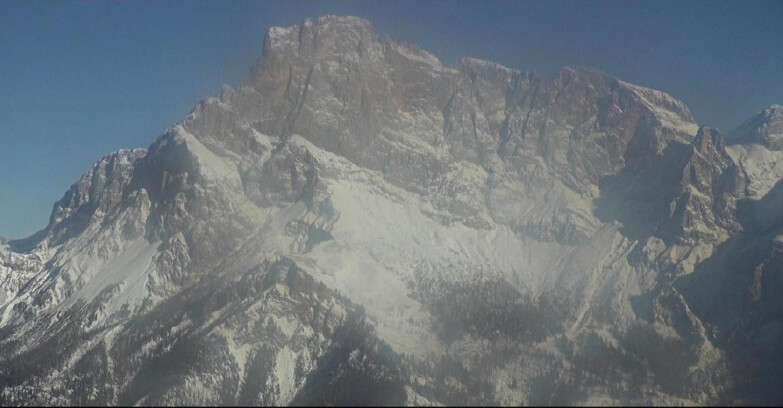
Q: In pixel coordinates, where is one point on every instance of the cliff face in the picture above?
(357, 223)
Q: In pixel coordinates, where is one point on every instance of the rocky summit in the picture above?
(357, 223)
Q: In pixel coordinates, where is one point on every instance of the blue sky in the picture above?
(81, 79)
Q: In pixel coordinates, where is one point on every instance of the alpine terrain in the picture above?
(357, 223)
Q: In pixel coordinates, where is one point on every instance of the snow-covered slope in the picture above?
(357, 223)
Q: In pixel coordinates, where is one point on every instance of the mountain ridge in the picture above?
(355, 213)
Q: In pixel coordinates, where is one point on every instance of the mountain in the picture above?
(766, 128)
(357, 223)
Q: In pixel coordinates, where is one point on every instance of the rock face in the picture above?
(359, 224)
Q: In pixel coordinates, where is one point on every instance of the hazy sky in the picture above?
(79, 80)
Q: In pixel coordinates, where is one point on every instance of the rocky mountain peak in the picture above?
(670, 111)
(765, 128)
(97, 193)
(322, 37)
(707, 136)
(356, 216)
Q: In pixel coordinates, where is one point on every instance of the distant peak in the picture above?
(764, 128)
(770, 113)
